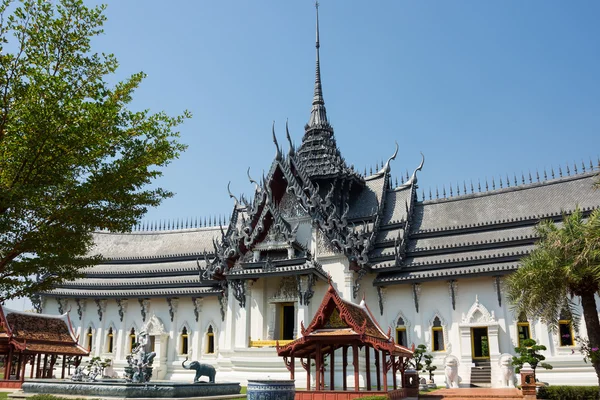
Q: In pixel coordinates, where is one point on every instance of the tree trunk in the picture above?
(592, 325)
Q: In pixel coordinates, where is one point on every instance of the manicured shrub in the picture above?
(568, 393)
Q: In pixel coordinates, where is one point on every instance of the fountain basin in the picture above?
(119, 388)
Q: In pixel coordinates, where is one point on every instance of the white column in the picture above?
(198, 332)
(122, 335)
(230, 326)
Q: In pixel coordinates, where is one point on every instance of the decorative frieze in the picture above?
(416, 290)
(497, 289)
(101, 304)
(238, 287)
(381, 297)
(122, 308)
(173, 302)
(222, 304)
(81, 306)
(197, 301)
(356, 287)
(452, 288)
(305, 288)
(287, 291)
(36, 301)
(144, 307)
(61, 305)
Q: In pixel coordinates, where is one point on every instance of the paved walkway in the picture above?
(473, 394)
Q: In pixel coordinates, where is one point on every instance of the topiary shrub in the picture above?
(568, 393)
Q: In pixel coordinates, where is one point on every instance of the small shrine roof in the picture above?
(341, 322)
(41, 333)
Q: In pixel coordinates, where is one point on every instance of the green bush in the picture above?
(568, 393)
(372, 398)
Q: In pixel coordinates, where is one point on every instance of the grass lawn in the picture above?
(3, 395)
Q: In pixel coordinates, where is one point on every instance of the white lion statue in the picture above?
(507, 375)
(451, 371)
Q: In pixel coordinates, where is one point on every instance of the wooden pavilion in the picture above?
(339, 324)
(37, 339)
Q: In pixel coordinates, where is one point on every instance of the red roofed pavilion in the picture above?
(340, 324)
(38, 339)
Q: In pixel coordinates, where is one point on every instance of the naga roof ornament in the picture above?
(278, 154)
(413, 179)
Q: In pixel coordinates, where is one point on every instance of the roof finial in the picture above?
(318, 114)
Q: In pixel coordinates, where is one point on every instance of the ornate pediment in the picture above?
(479, 314)
(334, 321)
(154, 327)
(287, 291)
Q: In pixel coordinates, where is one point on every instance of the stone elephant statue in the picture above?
(201, 370)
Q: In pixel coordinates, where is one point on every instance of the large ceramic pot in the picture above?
(271, 389)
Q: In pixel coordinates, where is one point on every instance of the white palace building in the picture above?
(431, 267)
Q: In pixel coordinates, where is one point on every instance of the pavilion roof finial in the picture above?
(318, 115)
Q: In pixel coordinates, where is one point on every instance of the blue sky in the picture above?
(481, 88)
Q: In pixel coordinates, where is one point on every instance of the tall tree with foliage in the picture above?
(529, 353)
(564, 263)
(73, 158)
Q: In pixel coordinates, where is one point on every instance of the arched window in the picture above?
(109, 340)
(401, 332)
(89, 339)
(565, 329)
(437, 335)
(132, 340)
(210, 340)
(523, 328)
(184, 341)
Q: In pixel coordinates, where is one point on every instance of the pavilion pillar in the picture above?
(355, 362)
(45, 366)
(23, 364)
(345, 366)
(53, 359)
(39, 362)
(32, 366)
(393, 359)
(385, 370)
(307, 373)
(318, 368)
(377, 367)
(292, 368)
(332, 368)
(8, 366)
(64, 364)
(18, 371)
(367, 366)
(401, 363)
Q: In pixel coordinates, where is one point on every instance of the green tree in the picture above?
(529, 353)
(564, 263)
(418, 355)
(429, 367)
(73, 158)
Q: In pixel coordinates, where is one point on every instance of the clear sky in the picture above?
(481, 88)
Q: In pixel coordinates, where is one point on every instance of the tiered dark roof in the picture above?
(38, 333)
